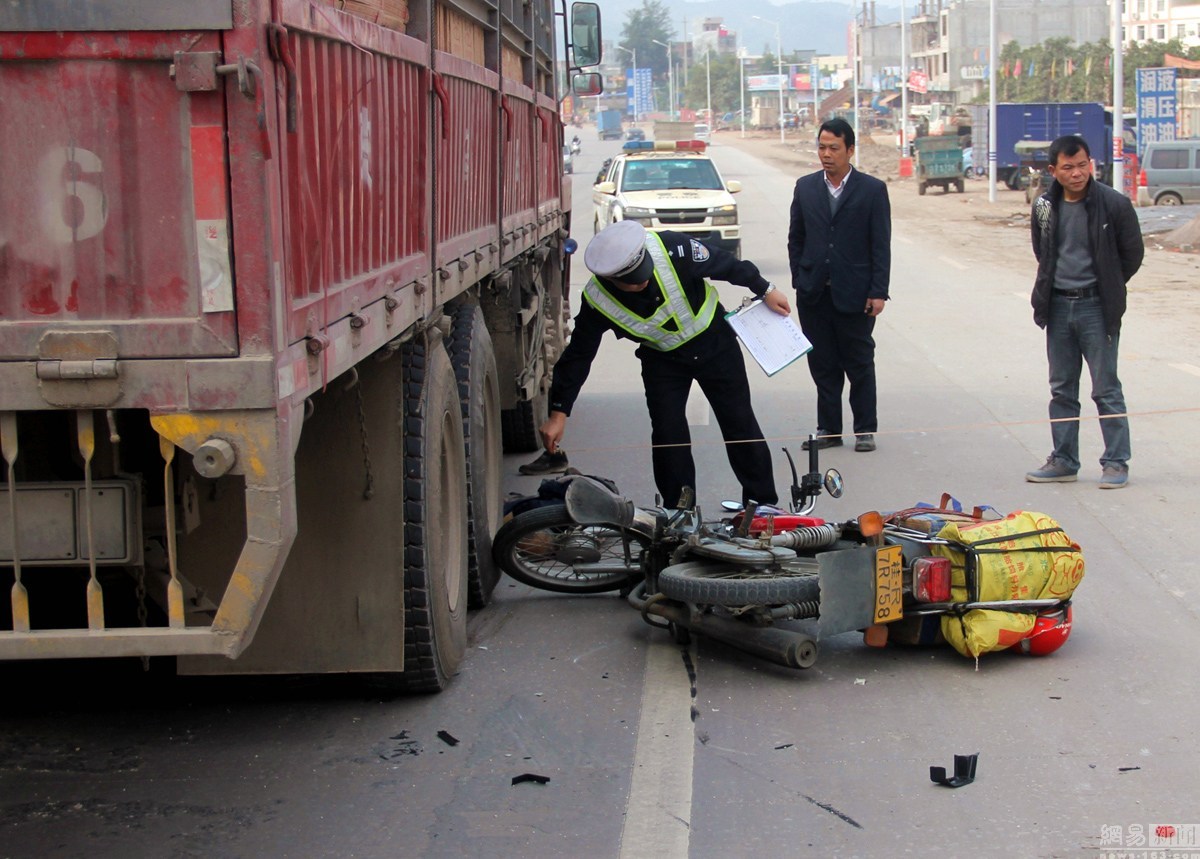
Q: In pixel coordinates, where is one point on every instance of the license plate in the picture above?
(889, 584)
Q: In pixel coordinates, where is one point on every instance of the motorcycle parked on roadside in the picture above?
(742, 580)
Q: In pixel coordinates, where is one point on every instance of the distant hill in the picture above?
(804, 24)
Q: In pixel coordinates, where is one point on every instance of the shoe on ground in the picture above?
(1114, 477)
(1054, 471)
(864, 442)
(547, 463)
(823, 441)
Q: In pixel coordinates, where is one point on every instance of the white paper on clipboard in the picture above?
(772, 339)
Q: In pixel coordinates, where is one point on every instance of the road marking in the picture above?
(697, 411)
(950, 261)
(658, 816)
(1187, 368)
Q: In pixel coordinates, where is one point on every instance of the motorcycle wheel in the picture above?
(706, 583)
(545, 549)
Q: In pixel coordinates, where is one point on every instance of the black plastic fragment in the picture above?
(447, 738)
(533, 777)
(964, 771)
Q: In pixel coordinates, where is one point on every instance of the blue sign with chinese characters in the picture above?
(1156, 104)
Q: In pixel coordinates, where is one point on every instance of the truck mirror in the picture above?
(589, 83)
(585, 35)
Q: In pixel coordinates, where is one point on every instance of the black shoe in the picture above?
(864, 442)
(823, 440)
(547, 463)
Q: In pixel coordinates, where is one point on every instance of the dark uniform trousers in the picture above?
(843, 348)
(722, 378)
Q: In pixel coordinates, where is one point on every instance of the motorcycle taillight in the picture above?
(931, 579)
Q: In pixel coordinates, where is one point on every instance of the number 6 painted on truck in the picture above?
(71, 208)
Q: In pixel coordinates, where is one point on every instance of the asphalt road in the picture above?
(653, 750)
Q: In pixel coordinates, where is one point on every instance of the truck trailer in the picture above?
(279, 282)
(1040, 122)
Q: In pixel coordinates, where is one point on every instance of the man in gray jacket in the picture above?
(1088, 244)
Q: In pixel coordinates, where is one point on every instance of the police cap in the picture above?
(618, 252)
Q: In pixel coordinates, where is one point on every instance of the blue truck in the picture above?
(608, 124)
(1029, 124)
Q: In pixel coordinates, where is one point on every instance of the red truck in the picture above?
(279, 280)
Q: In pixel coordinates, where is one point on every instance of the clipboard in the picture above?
(774, 341)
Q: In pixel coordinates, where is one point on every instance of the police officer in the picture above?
(651, 288)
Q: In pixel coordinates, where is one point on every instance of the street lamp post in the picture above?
(633, 53)
(742, 87)
(779, 69)
(670, 77)
(712, 126)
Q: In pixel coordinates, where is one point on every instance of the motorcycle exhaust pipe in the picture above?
(780, 646)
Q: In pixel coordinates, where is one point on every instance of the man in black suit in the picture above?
(840, 250)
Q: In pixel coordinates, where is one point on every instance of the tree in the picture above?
(1057, 71)
(726, 84)
(642, 26)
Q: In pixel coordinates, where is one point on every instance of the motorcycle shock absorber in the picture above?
(809, 537)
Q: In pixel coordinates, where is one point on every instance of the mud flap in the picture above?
(847, 579)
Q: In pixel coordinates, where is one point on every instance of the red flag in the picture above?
(1172, 61)
(1017, 69)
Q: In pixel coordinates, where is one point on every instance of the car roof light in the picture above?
(639, 145)
(692, 145)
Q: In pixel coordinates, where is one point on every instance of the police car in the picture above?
(669, 186)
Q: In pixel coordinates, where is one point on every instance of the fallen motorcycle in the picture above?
(916, 576)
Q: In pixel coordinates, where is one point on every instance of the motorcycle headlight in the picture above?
(723, 216)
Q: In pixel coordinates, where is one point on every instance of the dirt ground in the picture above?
(1167, 283)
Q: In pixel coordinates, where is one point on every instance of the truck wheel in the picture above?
(959, 186)
(706, 583)
(520, 424)
(435, 520)
(474, 362)
(921, 189)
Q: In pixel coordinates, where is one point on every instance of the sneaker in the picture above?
(1114, 477)
(864, 442)
(1054, 471)
(824, 440)
(547, 463)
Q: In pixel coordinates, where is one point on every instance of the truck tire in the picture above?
(520, 424)
(921, 189)
(706, 583)
(435, 519)
(959, 186)
(474, 361)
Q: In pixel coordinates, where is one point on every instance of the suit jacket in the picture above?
(851, 251)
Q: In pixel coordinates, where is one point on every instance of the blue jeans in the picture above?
(1074, 334)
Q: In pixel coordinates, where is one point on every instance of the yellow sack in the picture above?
(1023, 556)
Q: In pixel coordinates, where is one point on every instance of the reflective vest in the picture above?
(653, 330)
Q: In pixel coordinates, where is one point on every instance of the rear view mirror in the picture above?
(587, 84)
(585, 34)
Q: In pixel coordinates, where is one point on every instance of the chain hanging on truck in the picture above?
(369, 486)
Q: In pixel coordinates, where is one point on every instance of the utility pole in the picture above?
(903, 81)
(854, 69)
(993, 62)
(1118, 122)
(779, 70)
